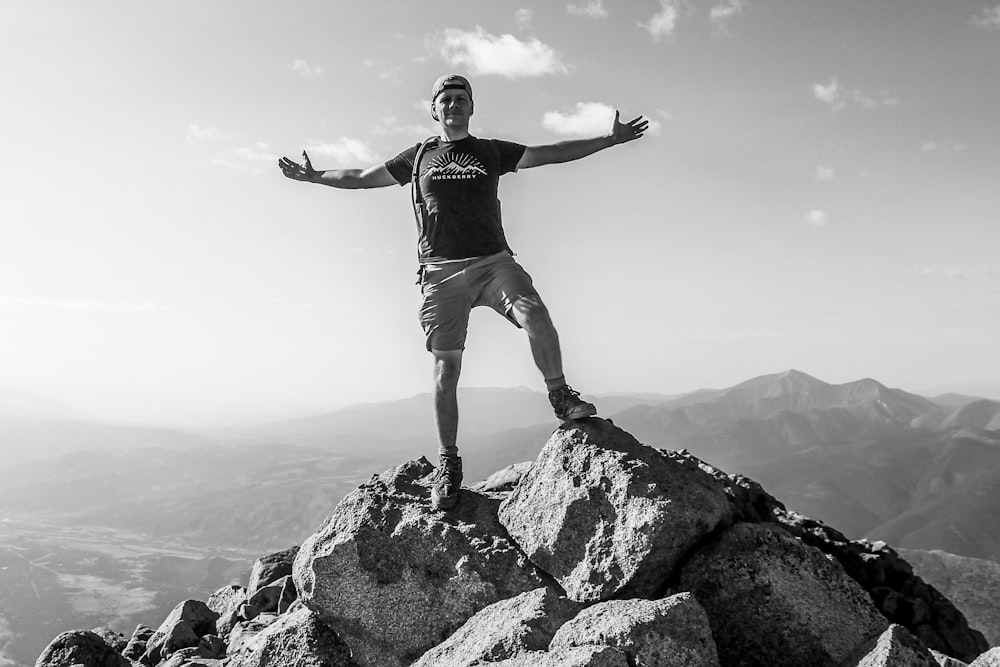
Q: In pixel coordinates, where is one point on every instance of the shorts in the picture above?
(452, 289)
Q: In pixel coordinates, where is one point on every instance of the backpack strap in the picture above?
(418, 196)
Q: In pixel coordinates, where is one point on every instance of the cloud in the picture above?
(196, 133)
(347, 151)
(947, 147)
(383, 71)
(838, 97)
(947, 274)
(56, 305)
(593, 9)
(523, 17)
(817, 218)
(663, 23)
(588, 119)
(305, 69)
(722, 13)
(988, 18)
(825, 174)
(505, 55)
(829, 93)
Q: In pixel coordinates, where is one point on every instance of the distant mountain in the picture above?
(247, 498)
(21, 405)
(971, 583)
(31, 440)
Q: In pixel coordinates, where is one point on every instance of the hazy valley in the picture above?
(104, 524)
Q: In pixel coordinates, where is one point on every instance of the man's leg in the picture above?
(448, 481)
(447, 368)
(533, 316)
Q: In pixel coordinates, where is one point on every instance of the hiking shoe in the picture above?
(568, 404)
(447, 482)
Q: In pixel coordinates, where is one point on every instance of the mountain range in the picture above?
(920, 473)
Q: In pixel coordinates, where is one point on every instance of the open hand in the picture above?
(296, 171)
(622, 132)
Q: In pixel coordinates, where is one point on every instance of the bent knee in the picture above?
(531, 309)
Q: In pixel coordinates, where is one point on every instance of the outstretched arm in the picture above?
(565, 151)
(372, 177)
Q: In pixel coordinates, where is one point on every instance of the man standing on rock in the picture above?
(464, 257)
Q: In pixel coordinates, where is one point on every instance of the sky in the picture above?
(818, 190)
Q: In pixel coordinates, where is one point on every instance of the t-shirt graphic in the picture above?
(458, 182)
(451, 166)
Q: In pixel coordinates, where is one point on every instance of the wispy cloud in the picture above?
(58, 305)
(824, 174)
(587, 119)
(523, 17)
(664, 22)
(385, 72)
(947, 147)
(593, 9)
(839, 97)
(347, 151)
(947, 274)
(505, 55)
(817, 218)
(988, 18)
(305, 69)
(722, 13)
(196, 133)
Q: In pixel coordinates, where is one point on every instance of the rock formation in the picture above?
(601, 553)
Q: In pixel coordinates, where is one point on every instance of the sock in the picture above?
(448, 451)
(555, 383)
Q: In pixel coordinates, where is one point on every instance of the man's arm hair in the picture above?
(574, 149)
(373, 177)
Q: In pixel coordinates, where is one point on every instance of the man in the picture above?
(464, 258)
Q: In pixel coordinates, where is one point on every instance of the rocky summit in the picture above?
(601, 552)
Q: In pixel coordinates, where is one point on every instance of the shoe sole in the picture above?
(580, 412)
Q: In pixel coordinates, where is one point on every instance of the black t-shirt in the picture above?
(458, 181)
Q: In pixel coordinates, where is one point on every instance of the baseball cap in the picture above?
(449, 81)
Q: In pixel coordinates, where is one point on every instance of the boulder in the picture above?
(115, 640)
(289, 595)
(182, 658)
(247, 630)
(211, 646)
(805, 610)
(196, 613)
(80, 648)
(394, 578)
(168, 640)
(137, 644)
(270, 568)
(672, 632)
(902, 596)
(183, 627)
(298, 639)
(504, 629)
(504, 480)
(227, 599)
(990, 658)
(607, 516)
(947, 661)
(894, 647)
(266, 597)
(580, 656)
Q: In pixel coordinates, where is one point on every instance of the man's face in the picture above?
(453, 107)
